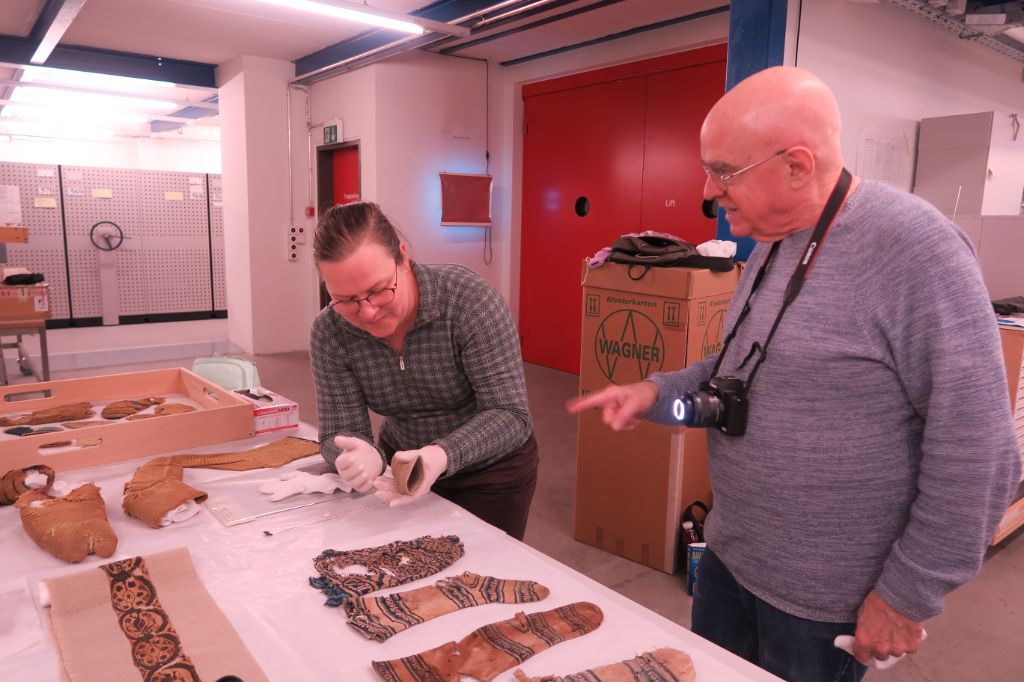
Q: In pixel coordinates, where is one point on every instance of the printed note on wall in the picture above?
(45, 202)
(174, 196)
(102, 193)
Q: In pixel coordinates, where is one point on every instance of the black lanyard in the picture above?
(796, 280)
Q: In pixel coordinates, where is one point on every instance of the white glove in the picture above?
(359, 463)
(434, 461)
(295, 482)
(183, 512)
(845, 642)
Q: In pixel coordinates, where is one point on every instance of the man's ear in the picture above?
(800, 163)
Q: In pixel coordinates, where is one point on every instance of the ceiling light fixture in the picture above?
(351, 12)
(43, 74)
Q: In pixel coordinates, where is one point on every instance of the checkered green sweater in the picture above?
(458, 384)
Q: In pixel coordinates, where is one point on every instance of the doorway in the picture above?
(337, 182)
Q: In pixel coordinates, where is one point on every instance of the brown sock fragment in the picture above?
(660, 665)
(408, 475)
(163, 410)
(12, 485)
(83, 425)
(50, 415)
(155, 489)
(380, 618)
(122, 408)
(491, 650)
(69, 527)
(275, 454)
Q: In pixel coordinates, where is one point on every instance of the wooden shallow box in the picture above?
(225, 416)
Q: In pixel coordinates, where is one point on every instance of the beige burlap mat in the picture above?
(144, 618)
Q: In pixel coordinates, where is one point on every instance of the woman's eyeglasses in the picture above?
(378, 299)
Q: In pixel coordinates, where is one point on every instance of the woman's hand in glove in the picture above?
(359, 463)
(414, 471)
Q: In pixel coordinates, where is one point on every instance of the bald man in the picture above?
(879, 453)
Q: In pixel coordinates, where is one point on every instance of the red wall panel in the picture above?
(584, 143)
(627, 139)
(346, 175)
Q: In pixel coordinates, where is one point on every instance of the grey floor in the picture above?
(979, 637)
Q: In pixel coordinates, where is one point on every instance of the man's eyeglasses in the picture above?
(723, 179)
(378, 299)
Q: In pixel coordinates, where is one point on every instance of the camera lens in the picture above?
(699, 409)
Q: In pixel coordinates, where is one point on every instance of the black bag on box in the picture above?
(665, 251)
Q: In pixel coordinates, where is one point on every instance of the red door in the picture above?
(345, 169)
(621, 147)
(582, 173)
(677, 102)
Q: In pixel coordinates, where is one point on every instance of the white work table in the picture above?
(261, 583)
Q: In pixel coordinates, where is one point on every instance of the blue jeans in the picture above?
(795, 649)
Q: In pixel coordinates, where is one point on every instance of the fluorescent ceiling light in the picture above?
(351, 12)
(43, 74)
(66, 131)
(78, 101)
(51, 114)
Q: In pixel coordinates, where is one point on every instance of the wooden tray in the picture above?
(225, 416)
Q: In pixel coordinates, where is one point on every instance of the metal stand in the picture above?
(18, 329)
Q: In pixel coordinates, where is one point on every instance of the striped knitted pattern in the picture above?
(380, 618)
(660, 665)
(491, 650)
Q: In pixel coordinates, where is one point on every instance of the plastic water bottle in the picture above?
(689, 533)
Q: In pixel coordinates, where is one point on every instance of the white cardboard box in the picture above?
(276, 414)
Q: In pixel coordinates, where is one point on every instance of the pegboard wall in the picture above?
(41, 200)
(169, 222)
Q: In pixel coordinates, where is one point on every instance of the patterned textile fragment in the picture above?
(145, 618)
(380, 618)
(491, 650)
(352, 573)
(660, 665)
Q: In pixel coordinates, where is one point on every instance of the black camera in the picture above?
(721, 403)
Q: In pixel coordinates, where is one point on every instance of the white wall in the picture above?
(890, 68)
(265, 289)
(414, 116)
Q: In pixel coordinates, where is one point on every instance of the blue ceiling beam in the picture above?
(52, 23)
(757, 40)
(443, 10)
(17, 50)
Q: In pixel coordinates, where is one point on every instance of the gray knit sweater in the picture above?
(458, 384)
(880, 451)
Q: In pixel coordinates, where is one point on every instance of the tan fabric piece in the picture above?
(660, 665)
(120, 409)
(70, 527)
(163, 410)
(83, 425)
(380, 618)
(157, 488)
(50, 415)
(491, 650)
(13, 483)
(408, 475)
(275, 454)
(145, 618)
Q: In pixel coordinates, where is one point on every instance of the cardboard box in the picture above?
(1012, 339)
(223, 417)
(25, 302)
(271, 412)
(632, 486)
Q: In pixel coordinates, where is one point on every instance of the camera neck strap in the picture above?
(796, 280)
